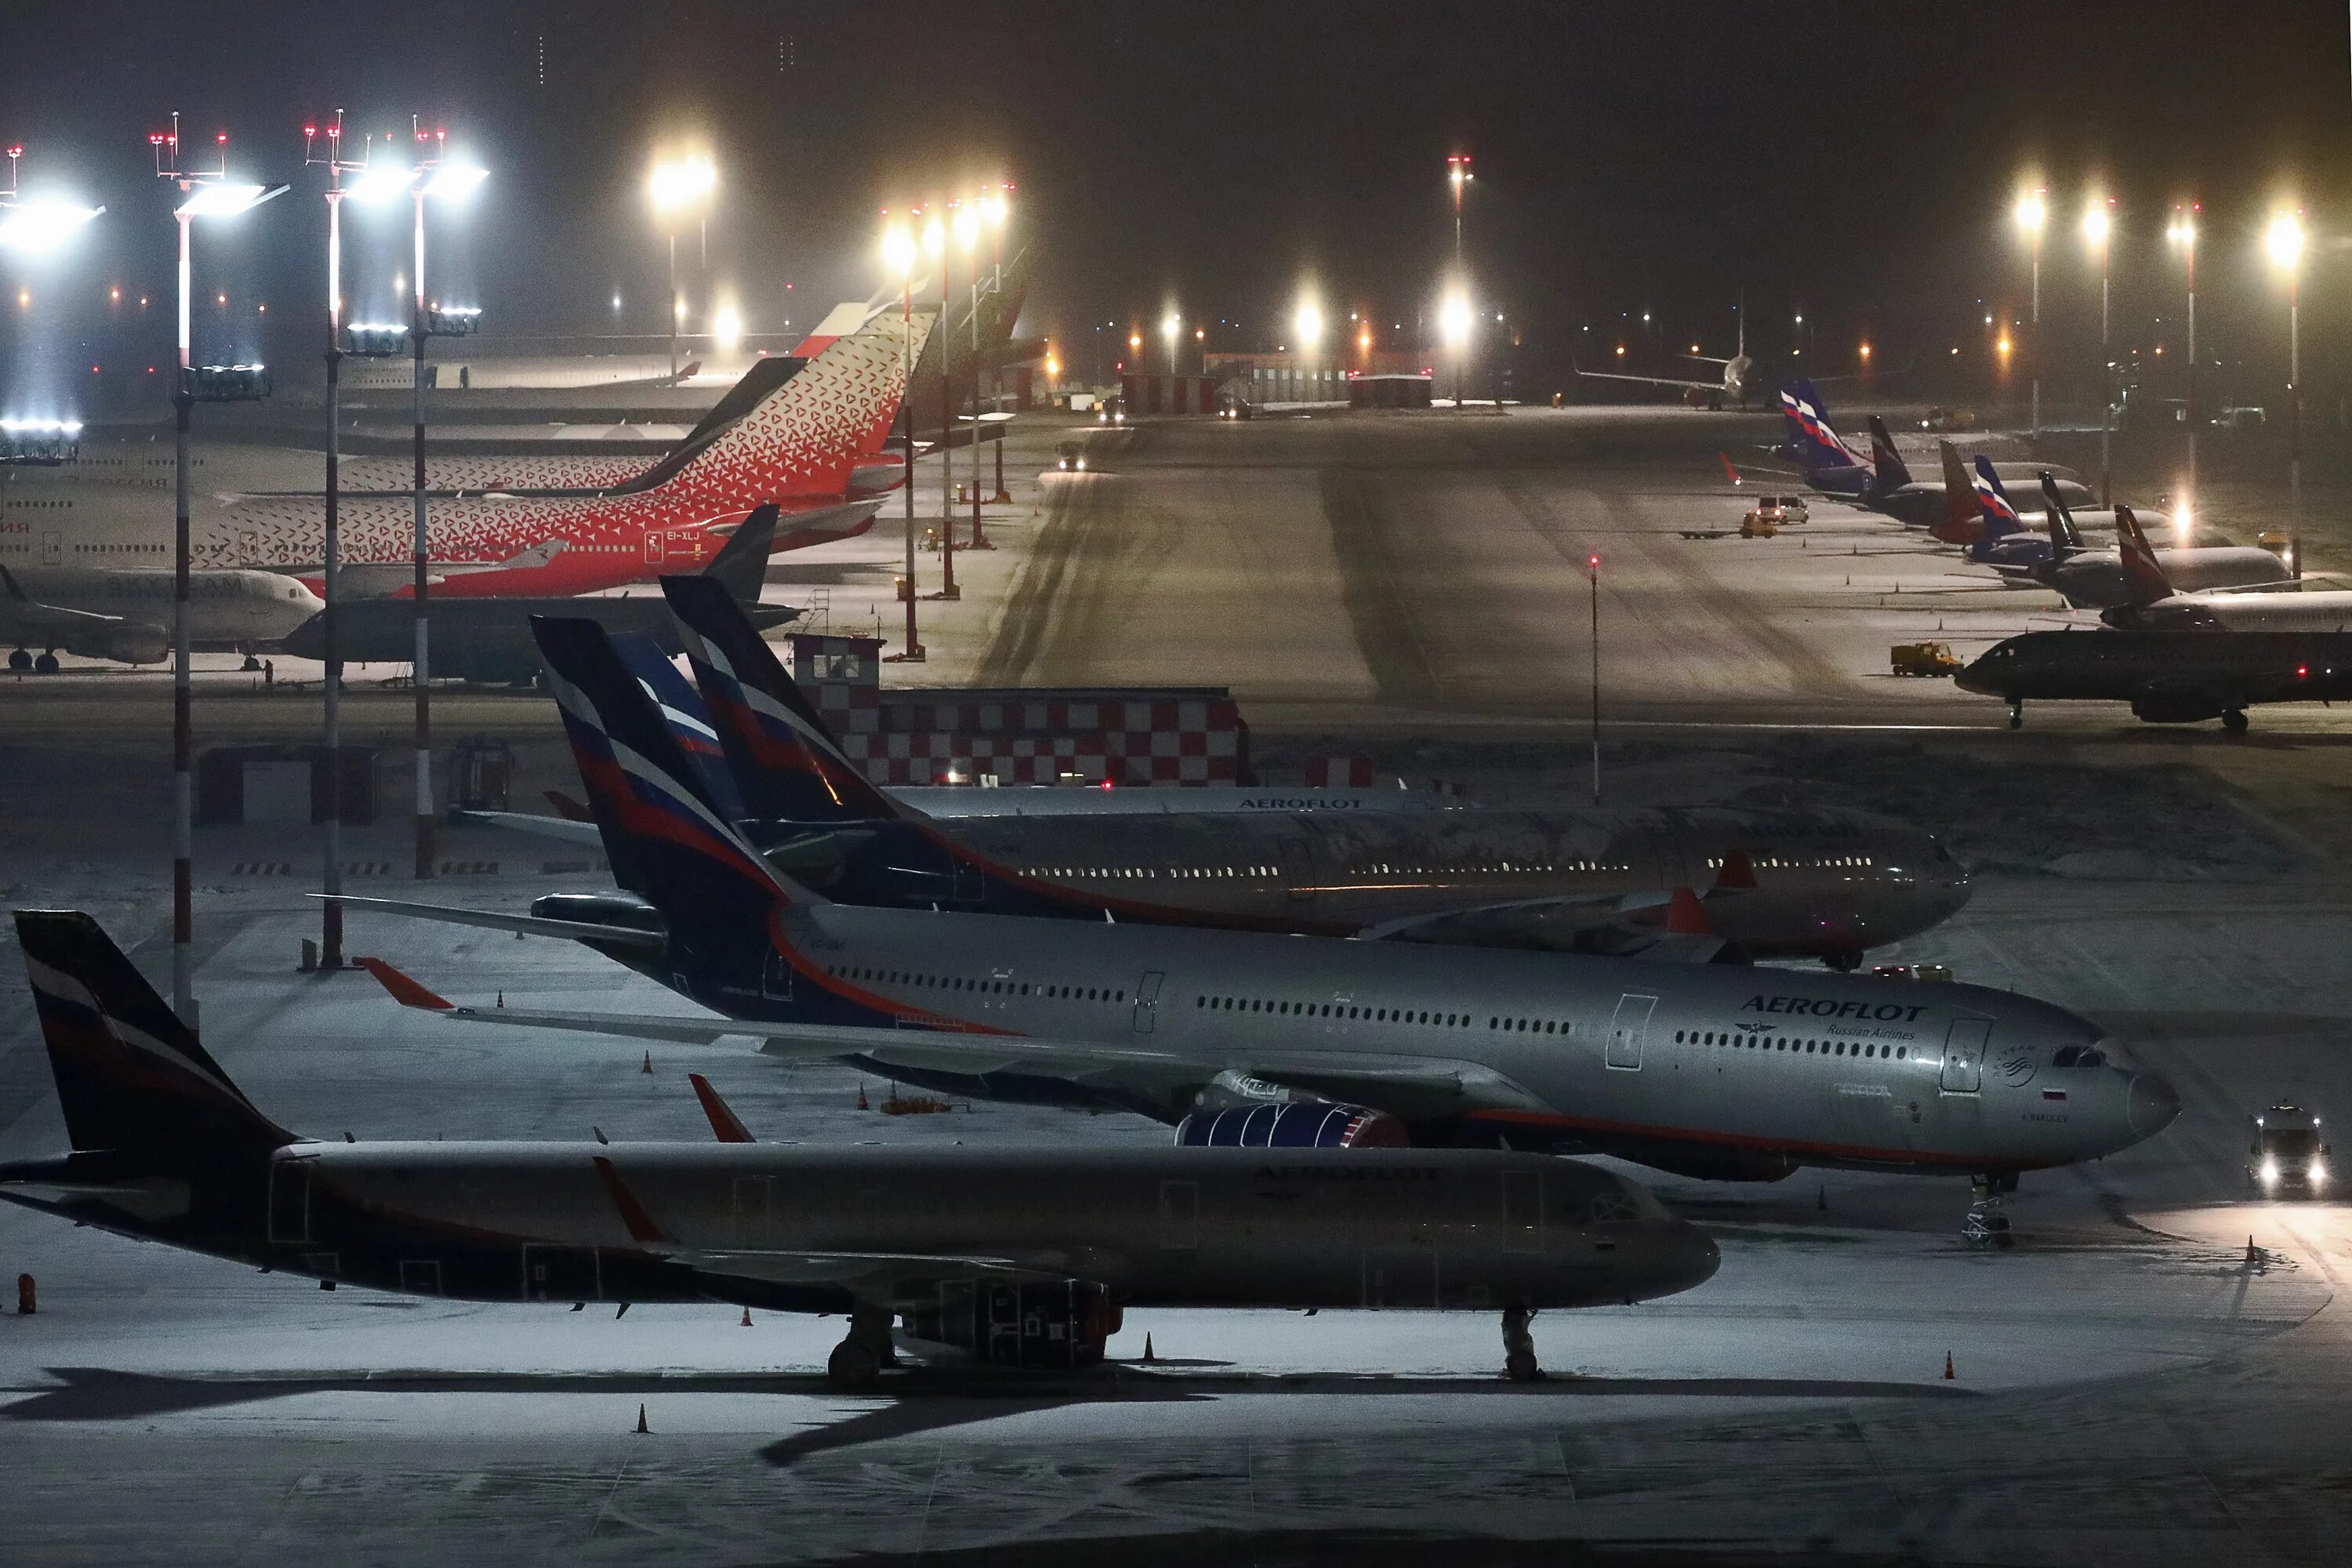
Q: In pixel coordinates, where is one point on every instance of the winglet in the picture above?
(723, 1122)
(404, 991)
(633, 1213)
(568, 808)
(1728, 471)
(1683, 916)
(1738, 872)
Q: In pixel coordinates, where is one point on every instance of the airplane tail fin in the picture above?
(681, 708)
(2143, 579)
(807, 437)
(2064, 539)
(740, 567)
(2001, 515)
(1893, 472)
(130, 1075)
(1962, 522)
(1807, 416)
(783, 756)
(665, 836)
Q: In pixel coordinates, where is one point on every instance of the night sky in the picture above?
(1856, 162)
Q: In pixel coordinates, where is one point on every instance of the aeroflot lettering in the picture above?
(1823, 1007)
(1301, 802)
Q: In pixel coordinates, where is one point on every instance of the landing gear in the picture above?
(1520, 1347)
(45, 665)
(1846, 961)
(1986, 1224)
(858, 1360)
(2017, 713)
(2233, 720)
(20, 662)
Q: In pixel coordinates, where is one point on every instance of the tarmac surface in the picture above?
(2156, 1373)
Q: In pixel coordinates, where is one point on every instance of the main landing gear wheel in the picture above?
(1986, 1224)
(1520, 1347)
(45, 665)
(20, 662)
(1844, 962)
(2233, 720)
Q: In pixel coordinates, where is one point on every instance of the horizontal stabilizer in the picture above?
(530, 925)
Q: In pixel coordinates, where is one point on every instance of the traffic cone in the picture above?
(2253, 1254)
(747, 1317)
(1950, 1375)
(1822, 1198)
(861, 1098)
(648, 1069)
(502, 998)
(642, 1428)
(1147, 1347)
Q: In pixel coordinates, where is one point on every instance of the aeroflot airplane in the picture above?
(804, 445)
(1713, 1071)
(1878, 477)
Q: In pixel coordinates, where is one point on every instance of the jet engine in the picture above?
(600, 909)
(2175, 705)
(124, 642)
(1291, 1124)
(1055, 1324)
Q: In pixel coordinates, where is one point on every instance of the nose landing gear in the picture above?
(1986, 1224)
(858, 1360)
(1520, 1347)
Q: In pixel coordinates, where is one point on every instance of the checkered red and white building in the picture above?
(1127, 735)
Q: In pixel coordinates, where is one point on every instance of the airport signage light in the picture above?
(375, 340)
(45, 443)
(227, 383)
(453, 322)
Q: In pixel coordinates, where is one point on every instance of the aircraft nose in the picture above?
(2154, 1103)
(1687, 1256)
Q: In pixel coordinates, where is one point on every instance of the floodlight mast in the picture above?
(331, 943)
(208, 194)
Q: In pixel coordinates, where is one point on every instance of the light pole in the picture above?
(1172, 329)
(2285, 242)
(1306, 328)
(898, 254)
(966, 224)
(2182, 232)
(434, 179)
(935, 245)
(1457, 175)
(999, 208)
(675, 186)
(209, 193)
(1592, 571)
(1453, 319)
(2098, 229)
(2032, 213)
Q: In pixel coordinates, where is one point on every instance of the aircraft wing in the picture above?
(21, 613)
(1658, 925)
(528, 925)
(1402, 1085)
(1715, 385)
(562, 828)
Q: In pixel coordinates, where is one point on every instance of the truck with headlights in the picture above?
(2287, 1157)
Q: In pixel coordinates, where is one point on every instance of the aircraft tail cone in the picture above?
(648, 1067)
(1147, 1347)
(1950, 1375)
(643, 1429)
(747, 1317)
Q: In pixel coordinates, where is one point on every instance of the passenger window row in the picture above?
(1435, 1020)
(1181, 873)
(1791, 862)
(1385, 868)
(1782, 1043)
(1532, 1025)
(991, 987)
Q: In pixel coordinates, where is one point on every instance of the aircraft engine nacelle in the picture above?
(874, 476)
(126, 642)
(600, 909)
(2173, 705)
(1291, 1124)
(1053, 1323)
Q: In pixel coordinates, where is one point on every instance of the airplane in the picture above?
(1714, 1071)
(2101, 579)
(124, 612)
(2170, 676)
(2153, 603)
(1735, 389)
(1979, 497)
(1785, 884)
(488, 641)
(1018, 1257)
(802, 445)
(1925, 502)
(1834, 465)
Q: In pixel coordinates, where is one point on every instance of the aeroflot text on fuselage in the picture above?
(1824, 1007)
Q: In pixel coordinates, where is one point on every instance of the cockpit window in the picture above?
(2078, 1057)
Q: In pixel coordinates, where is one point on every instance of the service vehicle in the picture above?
(2286, 1156)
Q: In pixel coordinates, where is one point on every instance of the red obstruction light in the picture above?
(334, 133)
(2303, 672)
(221, 137)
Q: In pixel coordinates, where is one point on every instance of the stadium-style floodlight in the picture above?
(1454, 316)
(1306, 325)
(454, 182)
(375, 340)
(1171, 328)
(2031, 213)
(676, 187)
(227, 383)
(2282, 242)
(452, 320)
(38, 227)
(379, 184)
(1457, 175)
(39, 443)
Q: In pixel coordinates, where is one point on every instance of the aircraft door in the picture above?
(1147, 1002)
(1626, 1029)
(561, 1274)
(652, 547)
(53, 548)
(776, 977)
(1964, 1055)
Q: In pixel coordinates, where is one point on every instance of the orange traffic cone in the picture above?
(642, 1428)
(747, 1317)
(2253, 1254)
(1950, 1375)
(861, 1098)
(648, 1067)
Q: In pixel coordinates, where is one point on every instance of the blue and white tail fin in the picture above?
(665, 837)
(784, 758)
(1807, 416)
(681, 708)
(2001, 515)
(130, 1075)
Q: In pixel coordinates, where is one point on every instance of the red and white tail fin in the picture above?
(839, 322)
(728, 1126)
(2143, 579)
(808, 436)
(1684, 915)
